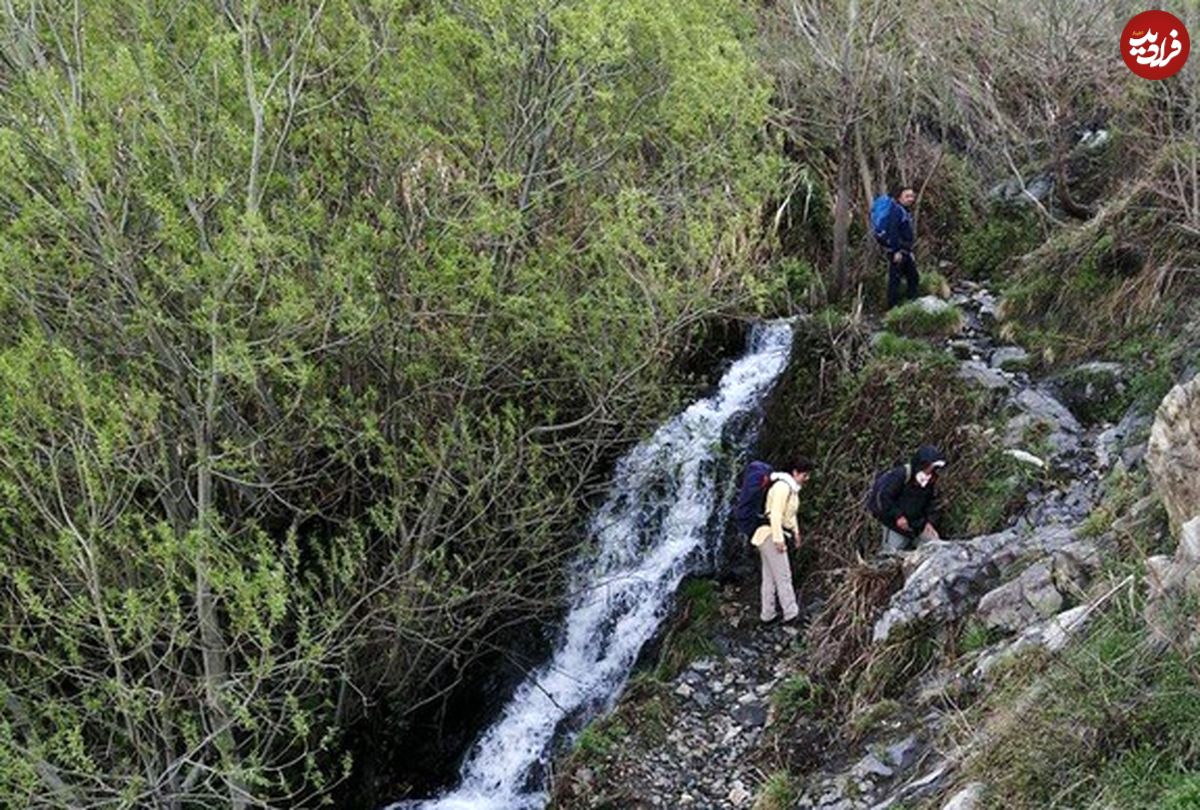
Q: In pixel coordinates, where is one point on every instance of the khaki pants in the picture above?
(776, 582)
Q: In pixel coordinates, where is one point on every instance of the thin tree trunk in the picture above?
(841, 215)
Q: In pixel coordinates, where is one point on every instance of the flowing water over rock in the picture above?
(664, 510)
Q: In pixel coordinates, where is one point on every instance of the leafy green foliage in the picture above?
(320, 322)
(994, 246)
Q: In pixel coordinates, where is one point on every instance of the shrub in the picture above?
(1004, 236)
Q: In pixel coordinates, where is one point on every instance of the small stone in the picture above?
(966, 799)
(738, 794)
(871, 766)
(903, 754)
(684, 691)
(1026, 458)
(752, 715)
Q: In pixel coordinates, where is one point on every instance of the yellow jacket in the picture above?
(783, 502)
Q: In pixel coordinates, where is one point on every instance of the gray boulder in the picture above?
(1051, 634)
(1010, 358)
(1025, 600)
(976, 372)
(1042, 414)
(1174, 584)
(947, 577)
(1173, 453)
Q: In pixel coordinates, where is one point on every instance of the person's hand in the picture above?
(902, 523)
(897, 256)
(796, 542)
(781, 547)
(930, 533)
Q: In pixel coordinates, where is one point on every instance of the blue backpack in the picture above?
(750, 510)
(882, 208)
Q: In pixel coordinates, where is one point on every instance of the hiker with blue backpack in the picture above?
(893, 228)
(766, 510)
(904, 500)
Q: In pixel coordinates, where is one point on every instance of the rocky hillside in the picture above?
(903, 688)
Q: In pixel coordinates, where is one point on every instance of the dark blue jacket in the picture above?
(899, 229)
(898, 494)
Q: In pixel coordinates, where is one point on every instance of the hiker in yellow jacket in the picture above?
(782, 504)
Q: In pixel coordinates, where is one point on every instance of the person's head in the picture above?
(927, 463)
(801, 468)
(906, 196)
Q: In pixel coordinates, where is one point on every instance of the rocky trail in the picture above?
(727, 713)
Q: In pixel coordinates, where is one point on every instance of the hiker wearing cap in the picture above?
(904, 500)
(770, 538)
(893, 228)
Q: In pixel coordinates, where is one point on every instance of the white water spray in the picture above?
(653, 526)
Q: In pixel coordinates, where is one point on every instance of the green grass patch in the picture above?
(1110, 722)
(914, 320)
(895, 346)
(599, 737)
(794, 696)
(690, 636)
(865, 719)
(1002, 484)
(975, 636)
(934, 283)
(779, 792)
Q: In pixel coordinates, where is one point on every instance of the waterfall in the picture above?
(664, 510)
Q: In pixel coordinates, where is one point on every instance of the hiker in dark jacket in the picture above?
(906, 500)
(898, 248)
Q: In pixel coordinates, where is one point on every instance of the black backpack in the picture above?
(874, 501)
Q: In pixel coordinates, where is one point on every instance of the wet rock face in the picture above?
(1173, 453)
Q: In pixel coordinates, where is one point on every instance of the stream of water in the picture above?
(665, 508)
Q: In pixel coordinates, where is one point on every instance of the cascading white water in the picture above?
(656, 518)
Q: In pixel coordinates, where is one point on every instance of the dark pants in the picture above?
(905, 268)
